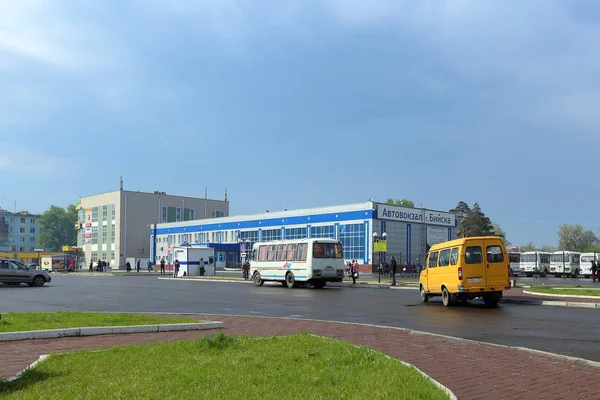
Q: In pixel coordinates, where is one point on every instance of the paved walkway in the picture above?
(471, 370)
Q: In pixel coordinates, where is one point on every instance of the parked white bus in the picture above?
(298, 262)
(514, 259)
(535, 262)
(564, 262)
(585, 263)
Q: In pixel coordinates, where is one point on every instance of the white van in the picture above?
(585, 263)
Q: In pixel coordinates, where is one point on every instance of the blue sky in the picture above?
(295, 104)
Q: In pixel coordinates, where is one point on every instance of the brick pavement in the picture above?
(470, 370)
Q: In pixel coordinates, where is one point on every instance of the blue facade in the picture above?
(18, 232)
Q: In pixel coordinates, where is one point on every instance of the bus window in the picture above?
(327, 250)
(271, 253)
(473, 255)
(280, 252)
(290, 252)
(262, 253)
(302, 250)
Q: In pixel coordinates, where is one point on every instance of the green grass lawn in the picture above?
(224, 367)
(568, 291)
(33, 321)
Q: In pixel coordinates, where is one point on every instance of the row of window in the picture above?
(21, 230)
(95, 213)
(23, 249)
(282, 252)
(473, 255)
(103, 256)
(21, 220)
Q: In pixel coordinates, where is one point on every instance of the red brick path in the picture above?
(470, 370)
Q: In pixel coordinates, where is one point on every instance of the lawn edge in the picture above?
(108, 330)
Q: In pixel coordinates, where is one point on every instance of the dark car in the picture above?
(14, 272)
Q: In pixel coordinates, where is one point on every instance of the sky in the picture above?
(307, 103)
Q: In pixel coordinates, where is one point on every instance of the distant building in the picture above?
(114, 226)
(18, 231)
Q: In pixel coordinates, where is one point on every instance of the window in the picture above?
(262, 253)
(327, 250)
(177, 214)
(114, 213)
(94, 235)
(22, 230)
(112, 235)
(271, 234)
(217, 214)
(295, 233)
(112, 255)
(103, 255)
(21, 239)
(31, 240)
(12, 220)
(281, 252)
(192, 214)
(322, 232)
(291, 252)
(473, 255)
(164, 214)
(21, 249)
(444, 260)
(454, 256)
(31, 230)
(302, 250)
(271, 253)
(494, 254)
(33, 220)
(104, 236)
(95, 214)
(12, 229)
(94, 256)
(104, 214)
(22, 220)
(352, 237)
(433, 259)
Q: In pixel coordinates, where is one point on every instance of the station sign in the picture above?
(407, 214)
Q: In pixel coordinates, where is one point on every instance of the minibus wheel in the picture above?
(424, 295)
(446, 298)
(290, 281)
(258, 281)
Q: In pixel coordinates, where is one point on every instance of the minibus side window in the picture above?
(473, 255)
(454, 256)
(444, 258)
(494, 254)
(433, 258)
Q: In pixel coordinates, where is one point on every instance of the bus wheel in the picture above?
(290, 281)
(319, 284)
(258, 281)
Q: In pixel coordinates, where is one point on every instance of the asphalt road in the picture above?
(568, 331)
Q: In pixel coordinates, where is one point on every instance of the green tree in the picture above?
(547, 248)
(472, 221)
(400, 202)
(462, 211)
(575, 238)
(527, 247)
(497, 231)
(57, 227)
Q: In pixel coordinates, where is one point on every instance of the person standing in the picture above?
(595, 264)
(91, 266)
(162, 266)
(202, 270)
(149, 266)
(137, 265)
(128, 266)
(354, 271)
(176, 265)
(394, 267)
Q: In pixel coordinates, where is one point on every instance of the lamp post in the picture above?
(378, 245)
(38, 251)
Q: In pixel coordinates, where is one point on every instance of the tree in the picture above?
(401, 202)
(472, 222)
(57, 227)
(547, 248)
(497, 231)
(527, 247)
(575, 238)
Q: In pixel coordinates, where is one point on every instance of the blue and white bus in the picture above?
(297, 262)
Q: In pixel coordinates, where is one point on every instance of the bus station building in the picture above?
(370, 232)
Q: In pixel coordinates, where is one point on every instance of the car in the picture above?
(14, 272)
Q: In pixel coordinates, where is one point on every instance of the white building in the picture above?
(114, 226)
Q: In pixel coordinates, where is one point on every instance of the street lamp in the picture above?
(379, 246)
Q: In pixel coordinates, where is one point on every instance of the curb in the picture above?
(107, 330)
(36, 362)
(562, 295)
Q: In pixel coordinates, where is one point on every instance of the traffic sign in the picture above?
(243, 247)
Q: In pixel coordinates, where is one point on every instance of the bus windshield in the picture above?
(327, 250)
